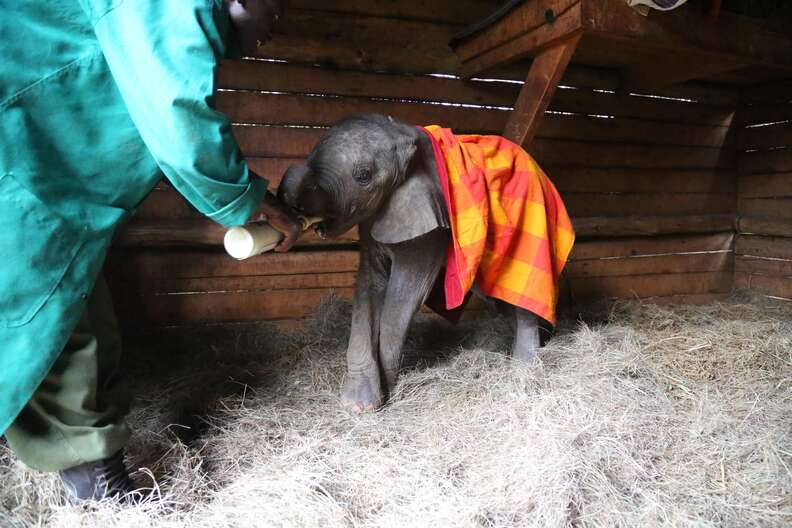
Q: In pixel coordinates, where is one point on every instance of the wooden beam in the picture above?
(688, 31)
(524, 18)
(520, 35)
(540, 85)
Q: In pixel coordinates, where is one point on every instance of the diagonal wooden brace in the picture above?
(546, 71)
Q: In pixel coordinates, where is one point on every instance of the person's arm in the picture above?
(163, 56)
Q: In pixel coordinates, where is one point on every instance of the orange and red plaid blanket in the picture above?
(510, 230)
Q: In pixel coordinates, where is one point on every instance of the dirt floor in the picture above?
(663, 416)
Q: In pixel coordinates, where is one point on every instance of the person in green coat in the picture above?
(98, 99)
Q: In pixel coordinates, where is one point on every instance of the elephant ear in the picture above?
(415, 208)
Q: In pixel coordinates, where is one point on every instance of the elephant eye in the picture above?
(362, 175)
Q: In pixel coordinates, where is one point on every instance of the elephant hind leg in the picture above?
(526, 336)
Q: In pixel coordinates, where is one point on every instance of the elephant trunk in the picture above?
(291, 186)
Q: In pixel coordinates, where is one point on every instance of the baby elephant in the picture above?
(425, 200)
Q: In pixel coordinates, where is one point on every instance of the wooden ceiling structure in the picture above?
(652, 51)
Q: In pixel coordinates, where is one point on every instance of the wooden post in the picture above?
(546, 70)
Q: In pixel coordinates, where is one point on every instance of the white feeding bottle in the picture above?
(254, 239)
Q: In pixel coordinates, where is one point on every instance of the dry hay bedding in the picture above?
(662, 417)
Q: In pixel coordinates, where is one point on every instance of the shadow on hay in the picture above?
(182, 375)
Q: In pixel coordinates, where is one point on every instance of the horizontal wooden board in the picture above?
(290, 109)
(254, 107)
(580, 76)
(325, 279)
(272, 168)
(765, 161)
(158, 271)
(282, 141)
(616, 226)
(760, 225)
(761, 246)
(613, 179)
(642, 184)
(767, 285)
(151, 265)
(157, 264)
(224, 307)
(587, 179)
(763, 266)
(254, 142)
(639, 286)
(766, 185)
(599, 226)
(192, 232)
(634, 246)
(163, 206)
(611, 149)
(765, 113)
(181, 232)
(498, 90)
(749, 77)
(276, 141)
(667, 264)
(683, 299)
(773, 92)
(559, 152)
(623, 204)
(766, 136)
(444, 11)
(625, 105)
(769, 207)
(252, 283)
(356, 41)
(629, 130)
(295, 78)
(278, 304)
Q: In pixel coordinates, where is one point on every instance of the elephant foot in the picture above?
(526, 338)
(525, 353)
(362, 391)
(391, 377)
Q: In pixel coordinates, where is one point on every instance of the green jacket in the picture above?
(98, 98)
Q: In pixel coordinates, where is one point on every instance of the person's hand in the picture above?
(281, 218)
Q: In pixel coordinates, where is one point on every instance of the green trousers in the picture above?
(69, 421)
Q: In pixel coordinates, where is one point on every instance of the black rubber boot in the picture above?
(103, 479)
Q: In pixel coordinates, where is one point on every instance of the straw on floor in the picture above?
(661, 416)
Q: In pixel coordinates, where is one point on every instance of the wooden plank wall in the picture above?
(763, 261)
(650, 179)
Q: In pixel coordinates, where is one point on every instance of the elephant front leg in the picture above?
(415, 266)
(363, 388)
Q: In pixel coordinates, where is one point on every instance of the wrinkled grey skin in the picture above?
(379, 173)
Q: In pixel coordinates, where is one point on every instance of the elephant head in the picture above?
(371, 170)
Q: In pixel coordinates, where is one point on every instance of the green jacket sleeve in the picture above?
(163, 57)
